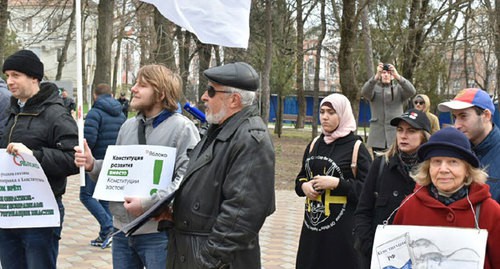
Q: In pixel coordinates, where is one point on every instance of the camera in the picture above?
(386, 67)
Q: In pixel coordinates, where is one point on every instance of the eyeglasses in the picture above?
(212, 92)
(419, 103)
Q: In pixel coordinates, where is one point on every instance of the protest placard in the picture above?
(134, 170)
(26, 199)
(411, 247)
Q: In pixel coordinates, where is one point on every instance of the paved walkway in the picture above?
(278, 237)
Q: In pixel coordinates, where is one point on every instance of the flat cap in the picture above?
(238, 75)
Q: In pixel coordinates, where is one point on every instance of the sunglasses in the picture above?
(212, 92)
(419, 103)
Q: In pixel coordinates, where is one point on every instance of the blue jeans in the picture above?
(31, 248)
(139, 251)
(98, 208)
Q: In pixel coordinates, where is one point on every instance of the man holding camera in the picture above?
(386, 102)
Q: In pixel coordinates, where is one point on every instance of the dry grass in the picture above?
(289, 150)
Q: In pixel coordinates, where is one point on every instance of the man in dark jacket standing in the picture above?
(124, 103)
(68, 102)
(228, 188)
(40, 125)
(100, 130)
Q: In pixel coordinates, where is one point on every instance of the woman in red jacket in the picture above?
(450, 188)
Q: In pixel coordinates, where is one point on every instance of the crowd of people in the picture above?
(410, 172)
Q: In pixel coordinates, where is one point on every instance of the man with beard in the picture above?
(228, 188)
(156, 95)
(38, 124)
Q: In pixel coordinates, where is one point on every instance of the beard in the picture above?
(142, 104)
(217, 117)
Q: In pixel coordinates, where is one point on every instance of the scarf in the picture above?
(408, 160)
(347, 122)
(458, 195)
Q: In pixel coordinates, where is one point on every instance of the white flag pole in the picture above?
(79, 84)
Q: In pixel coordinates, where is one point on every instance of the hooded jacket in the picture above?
(102, 124)
(423, 209)
(46, 128)
(432, 118)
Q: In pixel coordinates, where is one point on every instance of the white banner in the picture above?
(26, 199)
(219, 22)
(134, 170)
(423, 247)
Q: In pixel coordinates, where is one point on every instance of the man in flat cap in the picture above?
(39, 125)
(228, 188)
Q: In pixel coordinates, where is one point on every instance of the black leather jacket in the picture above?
(47, 128)
(226, 194)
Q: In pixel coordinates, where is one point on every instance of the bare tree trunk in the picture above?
(104, 42)
(69, 37)
(268, 62)
(116, 62)
(278, 127)
(218, 60)
(466, 44)
(414, 44)
(204, 54)
(497, 43)
(4, 16)
(164, 35)
(85, 82)
(119, 39)
(345, 58)
(367, 38)
(299, 80)
(184, 40)
(317, 67)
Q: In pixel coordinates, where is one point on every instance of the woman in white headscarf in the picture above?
(331, 187)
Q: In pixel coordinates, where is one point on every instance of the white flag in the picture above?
(219, 22)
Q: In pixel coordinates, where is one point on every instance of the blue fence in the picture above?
(291, 109)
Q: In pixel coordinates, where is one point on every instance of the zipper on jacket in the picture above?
(15, 122)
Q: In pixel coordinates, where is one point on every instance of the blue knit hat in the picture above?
(448, 142)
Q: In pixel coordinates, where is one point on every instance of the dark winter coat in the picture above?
(379, 198)
(226, 194)
(102, 124)
(326, 237)
(4, 105)
(424, 209)
(45, 127)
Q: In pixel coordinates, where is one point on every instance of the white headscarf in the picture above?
(347, 122)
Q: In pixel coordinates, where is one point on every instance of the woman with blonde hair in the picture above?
(423, 103)
(451, 191)
(388, 181)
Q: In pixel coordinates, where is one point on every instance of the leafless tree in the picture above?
(266, 91)
(104, 42)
